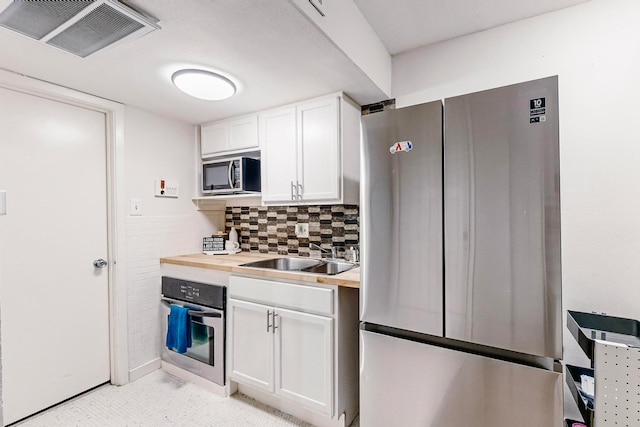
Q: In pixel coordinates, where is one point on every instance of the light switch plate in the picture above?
(135, 207)
(166, 188)
(302, 229)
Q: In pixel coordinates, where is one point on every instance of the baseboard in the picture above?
(222, 391)
(142, 370)
(318, 420)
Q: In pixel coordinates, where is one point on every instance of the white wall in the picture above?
(157, 147)
(594, 48)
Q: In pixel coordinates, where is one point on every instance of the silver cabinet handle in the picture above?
(299, 190)
(100, 263)
(293, 188)
(268, 315)
(274, 322)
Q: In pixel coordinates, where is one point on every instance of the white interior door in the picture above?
(54, 327)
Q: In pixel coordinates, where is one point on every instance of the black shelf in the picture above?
(588, 327)
(573, 381)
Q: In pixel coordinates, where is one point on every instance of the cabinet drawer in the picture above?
(298, 297)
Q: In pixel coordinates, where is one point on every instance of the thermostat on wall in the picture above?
(165, 188)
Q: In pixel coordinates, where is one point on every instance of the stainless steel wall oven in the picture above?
(206, 304)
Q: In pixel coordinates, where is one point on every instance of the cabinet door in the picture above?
(279, 161)
(243, 133)
(250, 352)
(214, 138)
(304, 359)
(319, 149)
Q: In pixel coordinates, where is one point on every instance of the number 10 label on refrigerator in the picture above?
(537, 110)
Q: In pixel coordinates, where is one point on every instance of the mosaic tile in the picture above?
(271, 229)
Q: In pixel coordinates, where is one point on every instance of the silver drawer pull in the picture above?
(268, 315)
(274, 322)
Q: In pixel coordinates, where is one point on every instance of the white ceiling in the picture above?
(274, 52)
(404, 25)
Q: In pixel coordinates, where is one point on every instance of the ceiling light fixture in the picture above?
(203, 84)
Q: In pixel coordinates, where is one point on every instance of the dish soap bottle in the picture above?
(233, 235)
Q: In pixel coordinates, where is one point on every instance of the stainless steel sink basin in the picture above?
(286, 264)
(330, 267)
(308, 265)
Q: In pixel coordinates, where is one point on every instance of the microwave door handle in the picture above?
(231, 186)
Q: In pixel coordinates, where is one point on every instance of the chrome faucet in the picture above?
(333, 251)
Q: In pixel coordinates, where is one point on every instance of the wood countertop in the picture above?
(232, 263)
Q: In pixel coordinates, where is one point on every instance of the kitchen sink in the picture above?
(308, 265)
(286, 264)
(330, 267)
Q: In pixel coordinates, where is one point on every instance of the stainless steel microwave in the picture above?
(230, 176)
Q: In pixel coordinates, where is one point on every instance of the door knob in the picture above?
(100, 263)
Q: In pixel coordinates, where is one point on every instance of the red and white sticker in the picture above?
(401, 146)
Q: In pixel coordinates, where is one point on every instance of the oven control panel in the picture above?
(190, 291)
(208, 295)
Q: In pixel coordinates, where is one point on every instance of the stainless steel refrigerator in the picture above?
(461, 317)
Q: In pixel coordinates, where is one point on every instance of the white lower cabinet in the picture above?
(289, 341)
(304, 358)
(250, 343)
(286, 352)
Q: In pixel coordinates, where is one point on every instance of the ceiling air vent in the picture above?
(78, 27)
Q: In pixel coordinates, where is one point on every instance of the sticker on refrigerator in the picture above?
(537, 110)
(401, 146)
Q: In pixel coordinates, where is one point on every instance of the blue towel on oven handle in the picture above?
(178, 329)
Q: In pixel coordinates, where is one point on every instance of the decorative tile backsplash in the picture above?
(271, 229)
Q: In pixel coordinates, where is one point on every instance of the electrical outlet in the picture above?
(302, 229)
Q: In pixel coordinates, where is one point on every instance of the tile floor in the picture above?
(160, 399)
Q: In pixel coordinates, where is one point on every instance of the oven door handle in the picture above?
(197, 313)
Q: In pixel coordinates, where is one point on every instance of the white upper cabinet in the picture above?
(278, 132)
(229, 136)
(310, 152)
(318, 150)
(214, 138)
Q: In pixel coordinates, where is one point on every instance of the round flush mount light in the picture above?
(203, 84)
